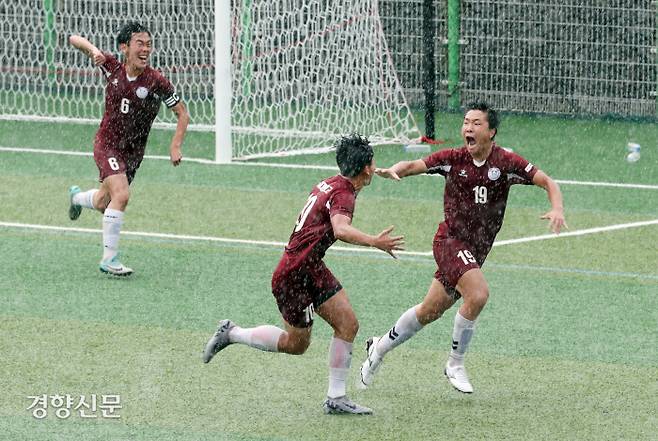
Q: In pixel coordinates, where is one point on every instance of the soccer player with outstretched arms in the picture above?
(133, 95)
(478, 178)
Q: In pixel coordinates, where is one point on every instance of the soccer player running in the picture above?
(478, 178)
(302, 285)
(132, 100)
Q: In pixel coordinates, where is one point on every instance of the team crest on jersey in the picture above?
(462, 173)
(142, 92)
(493, 173)
(115, 82)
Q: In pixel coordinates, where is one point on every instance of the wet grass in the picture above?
(564, 350)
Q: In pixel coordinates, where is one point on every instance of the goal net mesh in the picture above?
(303, 71)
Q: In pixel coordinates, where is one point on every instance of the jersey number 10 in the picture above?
(305, 211)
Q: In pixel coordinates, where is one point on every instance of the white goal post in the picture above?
(268, 77)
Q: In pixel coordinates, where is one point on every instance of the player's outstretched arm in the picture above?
(402, 169)
(183, 117)
(556, 215)
(343, 230)
(85, 46)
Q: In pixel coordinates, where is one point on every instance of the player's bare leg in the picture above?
(338, 312)
(475, 292)
(435, 303)
(119, 193)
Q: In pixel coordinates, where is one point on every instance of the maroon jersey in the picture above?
(313, 233)
(475, 196)
(131, 106)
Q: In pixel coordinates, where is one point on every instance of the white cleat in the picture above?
(343, 405)
(218, 341)
(458, 378)
(371, 366)
(114, 267)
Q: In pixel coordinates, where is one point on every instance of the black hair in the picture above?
(127, 31)
(353, 154)
(492, 114)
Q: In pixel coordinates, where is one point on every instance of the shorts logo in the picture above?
(528, 167)
(142, 92)
(493, 173)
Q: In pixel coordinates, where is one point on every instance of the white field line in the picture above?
(577, 232)
(71, 153)
(336, 248)
(301, 166)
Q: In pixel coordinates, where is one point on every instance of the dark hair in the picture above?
(492, 115)
(353, 154)
(127, 31)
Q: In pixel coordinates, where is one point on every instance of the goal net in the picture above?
(303, 71)
(571, 57)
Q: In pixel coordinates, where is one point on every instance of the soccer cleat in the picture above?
(371, 365)
(114, 267)
(74, 209)
(458, 378)
(218, 341)
(343, 405)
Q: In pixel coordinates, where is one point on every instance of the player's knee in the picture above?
(102, 204)
(293, 343)
(298, 347)
(350, 329)
(121, 198)
(101, 201)
(478, 297)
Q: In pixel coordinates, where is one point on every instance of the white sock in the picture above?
(405, 328)
(461, 337)
(265, 338)
(340, 359)
(112, 221)
(85, 199)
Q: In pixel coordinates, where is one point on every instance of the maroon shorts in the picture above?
(298, 292)
(112, 161)
(453, 258)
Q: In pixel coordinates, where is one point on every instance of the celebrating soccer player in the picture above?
(302, 285)
(478, 178)
(133, 94)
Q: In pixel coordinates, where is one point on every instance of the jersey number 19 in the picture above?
(480, 194)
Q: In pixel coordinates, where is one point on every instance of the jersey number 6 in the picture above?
(125, 105)
(114, 164)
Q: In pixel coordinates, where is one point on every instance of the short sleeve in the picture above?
(169, 95)
(520, 170)
(342, 202)
(110, 65)
(439, 162)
